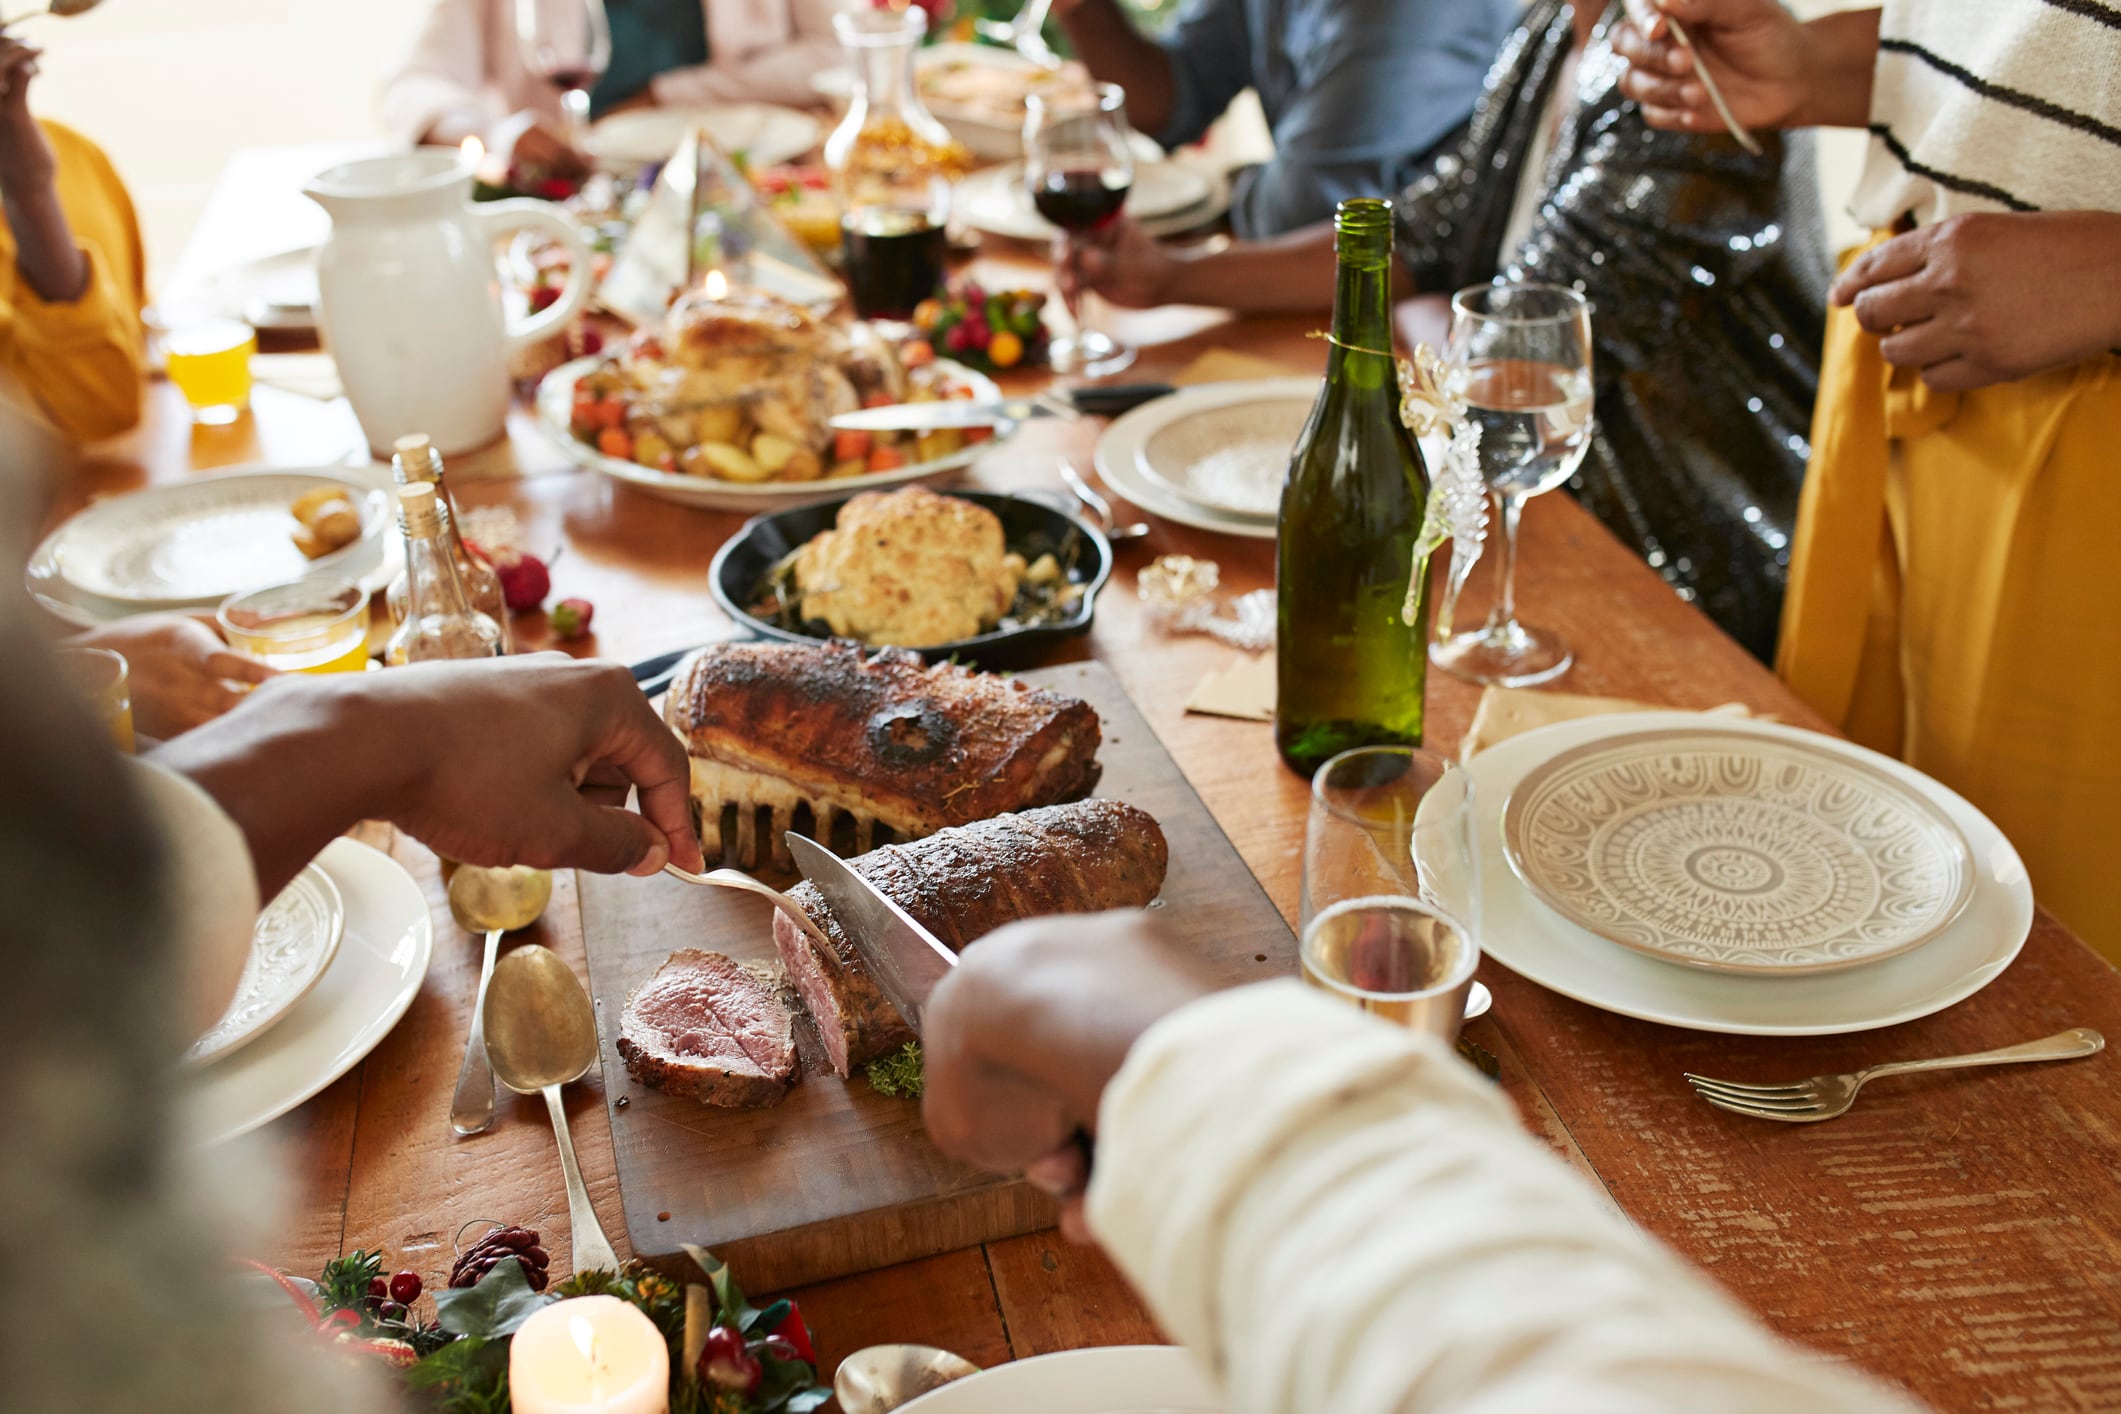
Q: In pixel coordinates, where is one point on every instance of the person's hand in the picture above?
(1981, 299)
(1756, 50)
(527, 760)
(181, 674)
(1022, 1037)
(1124, 263)
(27, 166)
(540, 147)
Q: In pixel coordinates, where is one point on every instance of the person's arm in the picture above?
(779, 72)
(1334, 1213)
(77, 347)
(437, 95)
(1775, 71)
(1282, 275)
(527, 760)
(1116, 52)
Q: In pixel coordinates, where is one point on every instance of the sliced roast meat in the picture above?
(718, 1030)
(961, 884)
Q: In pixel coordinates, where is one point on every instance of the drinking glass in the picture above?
(567, 43)
(1391, 903)
(1078, 167)
(309, 626)
(209, 361)
(105, 678)
(1521, 355)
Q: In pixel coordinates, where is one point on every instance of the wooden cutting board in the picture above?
(837, 1178)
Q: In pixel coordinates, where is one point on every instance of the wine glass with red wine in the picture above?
(567, 43)
(1078, 167)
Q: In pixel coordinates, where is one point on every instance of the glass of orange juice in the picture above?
(209, 361)
(105, 678)
(310, 626)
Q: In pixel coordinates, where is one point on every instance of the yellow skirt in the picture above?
(1955, 600)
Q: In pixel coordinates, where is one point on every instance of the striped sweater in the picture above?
(1994, 105)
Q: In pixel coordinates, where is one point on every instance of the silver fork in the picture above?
(1829, 1096)
(1099, 507)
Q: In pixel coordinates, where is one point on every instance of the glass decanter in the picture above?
(892, 165)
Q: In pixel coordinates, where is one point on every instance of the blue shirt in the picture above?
(1356, 91)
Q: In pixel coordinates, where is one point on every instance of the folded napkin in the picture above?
(1228, 366)
(1505, 712)
(1242, 688)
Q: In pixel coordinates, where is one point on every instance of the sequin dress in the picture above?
(1707, 276)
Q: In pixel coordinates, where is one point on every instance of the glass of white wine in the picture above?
(1521, 356)
(1391, 899)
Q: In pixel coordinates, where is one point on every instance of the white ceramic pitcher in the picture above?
(410, 302)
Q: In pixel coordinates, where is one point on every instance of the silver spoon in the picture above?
(492, 901)
(541, 1033)
(879, 1378)
(1099, 507)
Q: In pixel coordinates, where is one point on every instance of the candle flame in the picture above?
(585, 1337)
(474, 151)
(717, 285)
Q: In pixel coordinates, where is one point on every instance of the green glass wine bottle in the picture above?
(1350, 669)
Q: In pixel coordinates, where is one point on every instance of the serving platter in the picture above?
(1534, 941)
(837, 1178)
(192, 544)
(555, 405)
(1724, 850)
(291, 944)
(1030, 528)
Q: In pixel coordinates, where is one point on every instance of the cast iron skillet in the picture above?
(1030, 527)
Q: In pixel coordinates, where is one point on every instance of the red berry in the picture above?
(543, 298)
(592, 341)
(524, 582)
(378, 1288)
(405, 1288)
(726, 1364)
(390, 1311)
(960, 337)
(570, 617)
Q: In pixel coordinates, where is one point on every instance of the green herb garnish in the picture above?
(898, 1073)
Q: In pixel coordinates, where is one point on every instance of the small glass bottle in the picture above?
(440, 621)
(892, 165)
(414, 459)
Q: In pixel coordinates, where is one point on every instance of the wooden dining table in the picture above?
(1959, 1233)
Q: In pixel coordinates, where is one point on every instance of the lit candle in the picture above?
(594, 1353)
(474, 154)
(717, 285)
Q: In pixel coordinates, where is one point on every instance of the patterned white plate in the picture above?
(295, 939)
(193, 544)
(1718, 849)
(367, 988)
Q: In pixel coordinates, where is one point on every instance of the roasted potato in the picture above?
(731, 463)
(718, 424)
(772, 453)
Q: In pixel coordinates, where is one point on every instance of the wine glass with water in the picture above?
(1521, 355)
(1078, 168)
(567, 43)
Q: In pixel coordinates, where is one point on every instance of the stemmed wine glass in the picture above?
(1078, 167)
(567, 43)
(1521, 355)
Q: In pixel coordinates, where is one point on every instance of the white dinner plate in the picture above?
(388, 943)
(1229, 453)
(192, 544)
(1110, 1379)
(1168, 198)
(1120, 450)
(291, 945)
(766, 134)
(555, 404)
(1523, 934)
